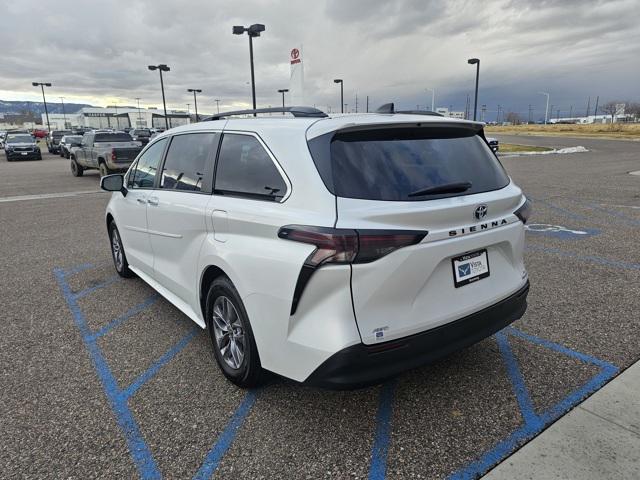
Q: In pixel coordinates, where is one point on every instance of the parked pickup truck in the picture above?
(107, 152)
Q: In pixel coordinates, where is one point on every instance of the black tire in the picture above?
(121, 264)
(76, 170)
(104, 170)
(249, 373)
(61, 153)
(39, 157)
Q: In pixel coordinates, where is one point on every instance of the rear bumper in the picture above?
(361, 365)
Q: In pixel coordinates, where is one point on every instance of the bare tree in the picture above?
(633, 108)
(610, 108)
(513, 118)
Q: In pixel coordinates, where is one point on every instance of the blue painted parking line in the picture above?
(623, 218)
(118, 398)
(130, 313)
(213, 458)
(555, 207)
(158, 364)
(90, 290)
(380, 450)
(533, 423)
(584, 258)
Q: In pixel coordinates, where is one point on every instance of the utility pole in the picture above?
(217, 104)
(530, 114)
(466, 108)
(498, 114)
(64, 114)
(139, 117)
(588, 106)
(595, 112)
(356, 103)
(367, 103)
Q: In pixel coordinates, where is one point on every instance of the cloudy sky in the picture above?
(391, 50)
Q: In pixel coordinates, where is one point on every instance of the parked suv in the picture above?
(21, 146)
(53, 140)
(67, 142)
(335, 251)
(104, 151)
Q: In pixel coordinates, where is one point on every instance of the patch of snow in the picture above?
(578, 149)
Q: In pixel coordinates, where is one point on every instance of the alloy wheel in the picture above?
(116, 248)
(228, 332)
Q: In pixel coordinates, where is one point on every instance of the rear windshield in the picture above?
(60, 133)
(390, 164)
(112, 137)
(142, 133)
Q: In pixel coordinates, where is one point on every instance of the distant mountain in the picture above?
(37, 108)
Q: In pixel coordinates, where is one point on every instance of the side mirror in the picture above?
(113, 183)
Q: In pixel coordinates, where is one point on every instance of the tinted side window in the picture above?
(147, 166)
(187, 161)
(246, 169)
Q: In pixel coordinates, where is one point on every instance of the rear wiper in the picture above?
(455, 187)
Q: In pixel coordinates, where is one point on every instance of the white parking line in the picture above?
(41, 196)
(620, 206)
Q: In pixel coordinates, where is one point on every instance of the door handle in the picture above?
(141, 200)
(153, 201)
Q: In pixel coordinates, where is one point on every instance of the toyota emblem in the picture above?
(480, 212)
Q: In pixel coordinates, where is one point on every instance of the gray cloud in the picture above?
(389, 50)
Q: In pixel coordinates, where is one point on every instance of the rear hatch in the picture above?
(437, 178)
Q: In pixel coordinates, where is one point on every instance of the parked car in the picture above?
(141, 135)
(335, 251)
(53, 140)
(21, 146)
(493, 143)
(67, 142)
(107, 152)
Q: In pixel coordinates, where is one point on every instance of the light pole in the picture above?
(162, 68)
(339, 80)
(546, 110)
(46, 112)
(476, 62)
(253, 31)
(139, 117)
(283, 91)
(64, 114)
(217, 104)
(195, 101)
(188, 111)
(433, 98)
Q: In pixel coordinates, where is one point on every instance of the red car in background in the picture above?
(40, 133)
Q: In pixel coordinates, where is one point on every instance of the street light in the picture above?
(217, 104)
(546, 110)
(64, 114)
(162, 68)
(433, 97)
(476, 62)
(253, 31)
(195, 101)
(42, 85)
(339, 80)
(283, 91)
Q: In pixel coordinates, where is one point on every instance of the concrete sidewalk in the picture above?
(599, 439)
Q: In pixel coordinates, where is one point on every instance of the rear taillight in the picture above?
(113, 154)
(339, 245)
(343, 246)
(524, 212)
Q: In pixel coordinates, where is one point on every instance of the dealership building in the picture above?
(117, 118)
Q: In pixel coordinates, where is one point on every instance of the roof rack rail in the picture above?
(389, 108)
(295, 111)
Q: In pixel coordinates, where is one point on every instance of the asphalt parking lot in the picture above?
(101, 378)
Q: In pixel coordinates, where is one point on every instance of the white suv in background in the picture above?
(332, 250)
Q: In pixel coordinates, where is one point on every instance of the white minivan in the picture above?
(333, 250)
